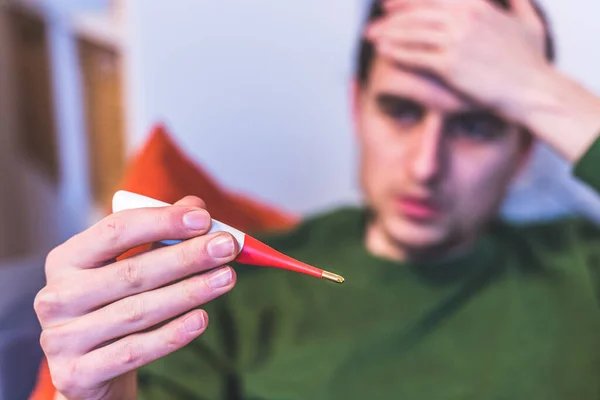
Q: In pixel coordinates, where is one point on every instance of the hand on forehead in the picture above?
(478, 50)
(524, 9)
(423, 88)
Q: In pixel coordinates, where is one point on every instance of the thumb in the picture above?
(526, 11)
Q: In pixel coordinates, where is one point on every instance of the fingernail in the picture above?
(197, 220)
(221, 246)
(220, 278)
(194, 323)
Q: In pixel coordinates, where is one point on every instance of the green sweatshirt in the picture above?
(517, 318)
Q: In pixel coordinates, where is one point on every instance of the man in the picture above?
(441, 300)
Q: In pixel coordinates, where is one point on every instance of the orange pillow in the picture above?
(162, 170)
(44, 389)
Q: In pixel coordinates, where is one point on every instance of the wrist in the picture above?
(540, 95)
(560, 112)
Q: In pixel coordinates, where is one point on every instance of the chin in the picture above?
(414, 235)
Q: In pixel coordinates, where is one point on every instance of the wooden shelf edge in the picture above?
(99, 28)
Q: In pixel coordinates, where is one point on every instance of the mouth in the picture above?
(418, 208)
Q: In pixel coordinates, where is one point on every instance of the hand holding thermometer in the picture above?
(252, 251)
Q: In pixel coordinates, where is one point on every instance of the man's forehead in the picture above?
(428, 90)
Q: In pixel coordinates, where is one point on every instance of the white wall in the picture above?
(577, 31)
(35, 214)
(8, 217)
(547, 188)
(257, 93)
(27, 201)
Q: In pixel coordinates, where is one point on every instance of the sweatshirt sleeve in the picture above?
(204, 369)
(587, 167)
(243, 329)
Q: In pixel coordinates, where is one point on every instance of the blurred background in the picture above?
(256, 93)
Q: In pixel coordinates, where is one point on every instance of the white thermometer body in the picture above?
(124, 200)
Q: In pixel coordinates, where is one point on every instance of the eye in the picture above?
(403, 111)
(483, 127)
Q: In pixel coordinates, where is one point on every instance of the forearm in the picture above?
(560, 112)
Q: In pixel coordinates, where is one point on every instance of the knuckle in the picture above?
(194, 290)
(130, 354)
(63, 376)
(130, 272)
(166, 217)
(53, 258)
(111, 229)
(169, 219)
(45, 341)
(176, 338)
(201, 245)
(133, 310)
(51, 341)
(189, 253)
(47, 303)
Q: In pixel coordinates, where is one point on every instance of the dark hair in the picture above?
(366, 53)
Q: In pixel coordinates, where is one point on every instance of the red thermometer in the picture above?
(252, 251)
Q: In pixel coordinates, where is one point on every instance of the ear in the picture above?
(354, 97)
(356, 94)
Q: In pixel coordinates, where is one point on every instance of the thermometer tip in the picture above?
(332, 277)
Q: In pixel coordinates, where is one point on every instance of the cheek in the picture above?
(378, 138)
(382, 153)
(482, 177)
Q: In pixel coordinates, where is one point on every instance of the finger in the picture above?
(526, 11)
(92, 289)
(418, 18)
(135, 351)
(125, 230)
(421, 59)
(136, 313)
(415, 37)
(391, 6)
(191, 201)
(188, 201)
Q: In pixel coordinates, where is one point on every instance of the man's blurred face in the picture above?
(434, 166)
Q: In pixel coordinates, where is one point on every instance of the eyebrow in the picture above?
(390, 99)
(394, 99)
(481, 113)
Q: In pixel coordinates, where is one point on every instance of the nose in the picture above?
(426, 161)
